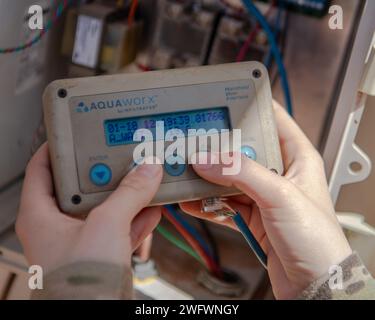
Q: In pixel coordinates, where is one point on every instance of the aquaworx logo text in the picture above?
(116, 103)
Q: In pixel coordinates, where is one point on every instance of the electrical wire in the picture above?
(220, 207)
(209, 262)
(250, 239)
(56, 15)
(178, 243)
(211, 240)
(277, 27)
(132, 11)
(253, 10)
(190, 229)
(143, 67)
(245, 47)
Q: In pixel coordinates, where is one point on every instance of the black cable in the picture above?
(211, 239)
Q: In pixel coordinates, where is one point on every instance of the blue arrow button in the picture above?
(175, 169)
(249, 152)
(100, 174)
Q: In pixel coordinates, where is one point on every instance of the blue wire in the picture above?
(253, 10)
(189, 228)
(241, 225)
(250, 239)
(268, 58)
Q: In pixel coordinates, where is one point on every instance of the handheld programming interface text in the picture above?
(91, 124)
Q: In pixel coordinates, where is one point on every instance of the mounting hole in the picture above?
(257, 73)
(76, 199)
(62, 93)
(355, 167)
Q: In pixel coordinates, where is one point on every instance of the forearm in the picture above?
(357, 283)
(87, 280)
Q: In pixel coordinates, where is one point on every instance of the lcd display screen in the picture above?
(121, 131)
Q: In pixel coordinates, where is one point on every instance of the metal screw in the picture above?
(76, 199)
(257, 73)
(62, 93)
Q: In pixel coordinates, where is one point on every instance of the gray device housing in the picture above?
(77, 140)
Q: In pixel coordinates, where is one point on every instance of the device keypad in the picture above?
(100, 174)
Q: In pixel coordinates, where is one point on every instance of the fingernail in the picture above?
(148, 170)
(203, 160)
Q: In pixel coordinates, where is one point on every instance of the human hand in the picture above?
(291, 216)
(111, 232)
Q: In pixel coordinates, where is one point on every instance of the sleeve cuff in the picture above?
(352, 281)
(87, 280)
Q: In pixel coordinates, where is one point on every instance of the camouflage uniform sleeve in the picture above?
(357, 283)
(87, 280)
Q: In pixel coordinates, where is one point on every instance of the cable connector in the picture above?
(221, 208)
(218, 206)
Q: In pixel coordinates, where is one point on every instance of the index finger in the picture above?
(293, 142)
(38, 185)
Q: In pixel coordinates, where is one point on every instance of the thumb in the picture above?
(265, 187)
(134, 192)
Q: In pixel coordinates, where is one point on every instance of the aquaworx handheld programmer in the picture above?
(91, 123)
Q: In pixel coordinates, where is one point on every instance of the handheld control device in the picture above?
(91, 124)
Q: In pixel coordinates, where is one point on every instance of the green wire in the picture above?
(178, 243)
